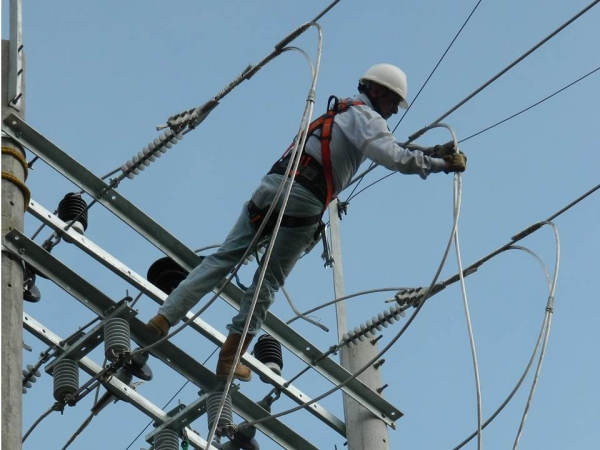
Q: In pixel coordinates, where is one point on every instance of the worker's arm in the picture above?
(370, 134)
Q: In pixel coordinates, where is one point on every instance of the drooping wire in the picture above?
(294, 160)
(468, 316)
(345, 297)
(54, 407)
(169, 402)
(299, 314)
(549, 312)
(394, 339)
(543, 335)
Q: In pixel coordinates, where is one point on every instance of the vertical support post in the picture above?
(15, 74)
(363, 429)
(14, 194)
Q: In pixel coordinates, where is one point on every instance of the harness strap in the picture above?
(257, 216)
(321, 185)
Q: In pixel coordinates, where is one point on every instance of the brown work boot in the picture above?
(158, 326)
(227, 355)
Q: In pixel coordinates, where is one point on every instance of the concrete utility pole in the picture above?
(363, 429)
(15, 197)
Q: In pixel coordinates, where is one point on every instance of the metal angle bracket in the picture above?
(64, 164)
(90, 248)
(93, 338)
(167, 352)
(121, 390)
(164, 241)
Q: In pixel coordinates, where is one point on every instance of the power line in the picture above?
(423, 86)
(530, 107)
(490, 127)
(517, 61)
(486, 84)
(436, 66)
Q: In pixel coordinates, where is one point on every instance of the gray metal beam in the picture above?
(15, 68)
(167, 243)
(197, 324)
(167, 352)
(120, 389)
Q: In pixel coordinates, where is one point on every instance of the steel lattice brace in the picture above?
(167, 243)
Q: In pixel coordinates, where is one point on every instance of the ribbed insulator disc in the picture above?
(116, 338)
(71, 206)
(66, 378)
(212, 408)
(166, 440)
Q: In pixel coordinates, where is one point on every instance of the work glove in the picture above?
(455, 162)
(443, 150)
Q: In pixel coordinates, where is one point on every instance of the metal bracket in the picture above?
(93, 338)
(167, 352)
(164, 241)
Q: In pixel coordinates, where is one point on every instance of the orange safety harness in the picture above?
(315, 177)
(325, 124)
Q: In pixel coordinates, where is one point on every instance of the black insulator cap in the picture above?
(137, 367)
(166, 274)
(31, 293)
(73, 207)
(268, 350)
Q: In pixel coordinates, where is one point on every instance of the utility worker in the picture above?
(331, 157)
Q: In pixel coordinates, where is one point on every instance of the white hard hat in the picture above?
(389, 76)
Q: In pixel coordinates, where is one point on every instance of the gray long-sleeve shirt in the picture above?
(360, 133)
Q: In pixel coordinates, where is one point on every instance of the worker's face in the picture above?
(387, 102)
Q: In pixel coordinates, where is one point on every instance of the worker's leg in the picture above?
(288, 248)
(211, 271)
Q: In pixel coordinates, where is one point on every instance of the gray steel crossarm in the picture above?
(198, 324)
(123, 391)
(167, 352)
(158, 236)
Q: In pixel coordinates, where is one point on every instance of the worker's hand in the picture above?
(443, 150)
(455, 162)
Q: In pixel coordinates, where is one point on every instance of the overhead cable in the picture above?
(424, 84)
(486, 84)
(510, 66)
(542, 337)
(353, 195)
(402, 330)
(292, 167)
(530, 107)
(436, 66)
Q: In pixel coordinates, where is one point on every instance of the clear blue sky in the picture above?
(101, 75)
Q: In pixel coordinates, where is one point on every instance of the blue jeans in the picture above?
(288, 248)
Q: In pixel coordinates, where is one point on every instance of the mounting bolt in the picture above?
(380, 390)
(374, 340)
(378, 364)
